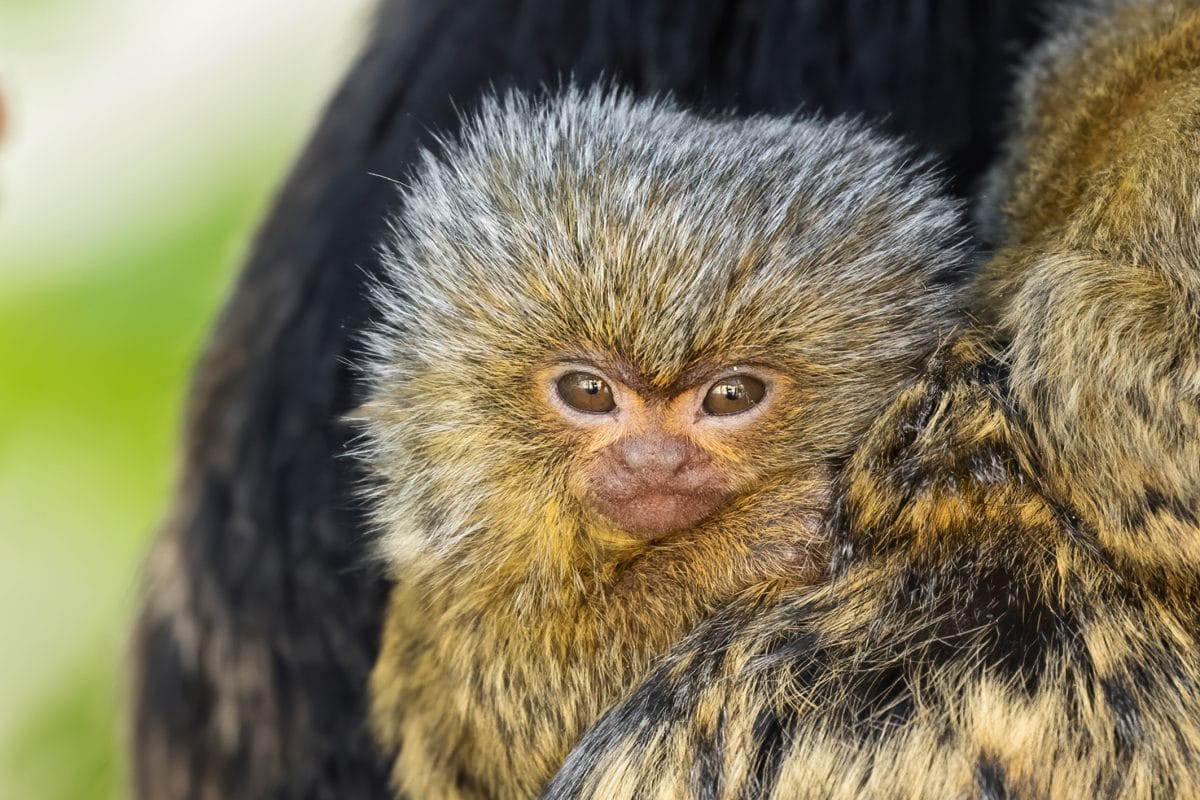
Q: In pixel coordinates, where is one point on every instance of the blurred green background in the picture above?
(144, 140)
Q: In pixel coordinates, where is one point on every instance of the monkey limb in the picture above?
(601, 285)
(1015, 603)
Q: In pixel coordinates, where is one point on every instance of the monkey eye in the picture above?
(586, 392)
(733, 395)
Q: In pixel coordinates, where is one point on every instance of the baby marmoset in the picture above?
(1015, 604)
(624, 350)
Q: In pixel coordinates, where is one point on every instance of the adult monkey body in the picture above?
(252, 653)
(1017, 599)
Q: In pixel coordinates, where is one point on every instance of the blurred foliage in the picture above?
(146, 141)
(68, 748)
(94, 366)
(34, 8)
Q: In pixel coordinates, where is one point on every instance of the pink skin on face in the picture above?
(655, 483)
(648, 475)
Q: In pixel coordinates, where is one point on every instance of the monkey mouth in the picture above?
(652, 513)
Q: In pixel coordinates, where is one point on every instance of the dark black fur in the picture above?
(273, 561)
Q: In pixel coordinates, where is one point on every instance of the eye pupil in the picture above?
(733, 395)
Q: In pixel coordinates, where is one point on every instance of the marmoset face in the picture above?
(619, 317)
(653, 460)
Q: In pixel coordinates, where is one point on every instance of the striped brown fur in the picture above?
(1015, 605)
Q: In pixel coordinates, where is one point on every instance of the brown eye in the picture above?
(733, 395)
(584, 391)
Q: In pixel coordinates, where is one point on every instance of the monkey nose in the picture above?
(655, 455)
